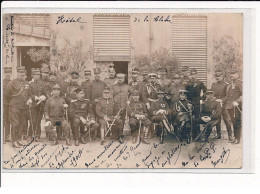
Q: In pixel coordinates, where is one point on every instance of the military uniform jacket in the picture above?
(110, 82)
(47, 86)
(219, 89)
(36, 88)
(159, 105)
(5, 84)
(63, 87)
(194, 88)
(97, 88)
(135, 86)
(80, 108)
(70, 94)
(136, 108)
(164, 83)
(174, 93)
(182, 106)
(150, 92)
(86, 85)
(106, 107)
(54, 107)
(233, 93)
(120, 93)
(17, 92)
(209, 106)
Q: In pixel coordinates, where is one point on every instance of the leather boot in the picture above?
(68, 142)
(77, 142)
(120, 140)
(55, 142)
(15, 145)
(146, 130)
(102, 141)
(21, 143)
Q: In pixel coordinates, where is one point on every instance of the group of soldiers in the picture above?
(161, 103)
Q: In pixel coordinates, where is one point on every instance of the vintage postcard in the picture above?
(122, 90)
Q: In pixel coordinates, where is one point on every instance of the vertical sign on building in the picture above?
(189, 42)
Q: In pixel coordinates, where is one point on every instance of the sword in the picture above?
(140, 125)
(30, 112)
(113, 122)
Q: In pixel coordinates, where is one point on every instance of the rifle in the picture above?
(110, 127)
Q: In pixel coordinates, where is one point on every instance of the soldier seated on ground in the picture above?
(210, 115)
(107, 116)
(80, 113)
(182, 123)
(54, 113)
(159, 112)
(138, 118)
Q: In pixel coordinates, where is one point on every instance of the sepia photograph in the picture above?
(122, 90)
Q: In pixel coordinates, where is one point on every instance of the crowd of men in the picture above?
(155, 104)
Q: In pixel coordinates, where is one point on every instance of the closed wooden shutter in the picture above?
(111, 37)
(189, 42)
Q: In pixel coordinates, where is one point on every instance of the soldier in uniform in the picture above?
(159, 112)
(232, 102)
(38, 96)
(196, 93)
(111, 80)
(17, 95)
(210, 113)
(86, 85)
(97, 88)
(138, 118)
(106, 112)
(45, 79)
(6, 123)
(150, 90)
(143, 83)
(185, 74)
(120, 92)
(70, 93)
(54, 114)
(162, 80)
(81, 113)
(63, 82)
(182, 123)
(135, 84)
(219, 89)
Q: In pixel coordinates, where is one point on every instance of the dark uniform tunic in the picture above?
(17, 92)
(97, 88)
(77, 109)
(36, 89)
(107, 107)
(219, 89)
(86, 85)
(150, 92)
(234, 93)
(135, 86)
(63, 87)
(110, 81)
(6, 123)
(212, 109)
(137, 108)
(194, 88)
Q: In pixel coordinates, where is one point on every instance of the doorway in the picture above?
(121, 67)
(26, 60)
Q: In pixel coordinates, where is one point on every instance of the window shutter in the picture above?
(189, 43)
(111, 37)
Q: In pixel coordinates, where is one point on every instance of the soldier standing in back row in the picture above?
(86, 85)
(38, 96)
(63, 82)
(111, 80)
(196, 93)
(6, 123)
(162, 80)
(17, 94)
(219, 89)
(135, 84)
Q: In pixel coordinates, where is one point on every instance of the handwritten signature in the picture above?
(62, 20)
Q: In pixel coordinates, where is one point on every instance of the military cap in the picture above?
(193, 71)
(160, 92)
(145, 73)
(218, 73)
(63, 70)
(106, 90)
(74, 75)
(162, 69)
(56, 87)
(7, 69)
(209, 92)
(120, 75)
(35, 71)
(97, 70)
(184, 68)
(87, 72)
(79, 89)
(45, 70)
(111, 69)
(21, 69)
(177, 76)
(52, 73)
(152, 75)
(135, 70)
(233, 70)
(183, 91)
